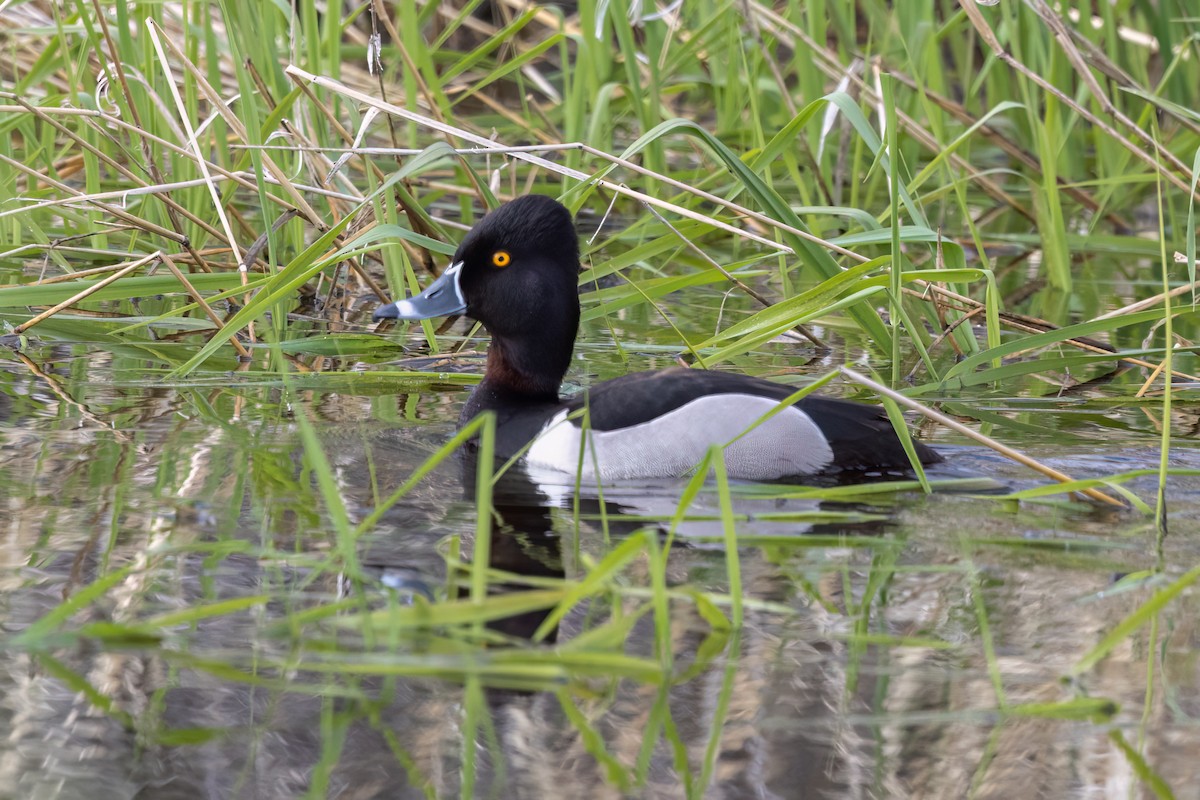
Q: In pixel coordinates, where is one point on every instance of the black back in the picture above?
(861, 436)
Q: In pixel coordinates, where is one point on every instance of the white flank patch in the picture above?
(787, 444)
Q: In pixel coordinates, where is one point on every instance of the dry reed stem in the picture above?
(235, 124)
(712, 262)
(1066, 39)
(194, 145)
(987, 441)
(922, 287)
(199, 300)
(113, 163)
(299, 74)
(118, 194)
(1004, 143)
(989, 37)
(88, 292)
(156, 173)
(786, 31)
(1142, 305)
(243, 179)
(624, 163)
(1030, 325)
(119, 213)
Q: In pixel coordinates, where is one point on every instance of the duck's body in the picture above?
(517, 273)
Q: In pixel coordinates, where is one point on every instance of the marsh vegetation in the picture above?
(246, 552)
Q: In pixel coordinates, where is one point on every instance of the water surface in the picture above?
(925, 651)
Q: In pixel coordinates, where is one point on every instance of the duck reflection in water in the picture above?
(527, 530)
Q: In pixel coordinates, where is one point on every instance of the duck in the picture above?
(517, 272)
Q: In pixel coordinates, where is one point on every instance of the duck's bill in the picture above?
(440, 299)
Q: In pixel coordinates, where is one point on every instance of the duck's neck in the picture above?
(530, 372)
(524, 373)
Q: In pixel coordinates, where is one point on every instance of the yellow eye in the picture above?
(501, 258)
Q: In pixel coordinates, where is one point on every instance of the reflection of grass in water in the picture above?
(988, 252)
(352, 649)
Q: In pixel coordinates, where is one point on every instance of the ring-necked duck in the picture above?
(517, 272)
